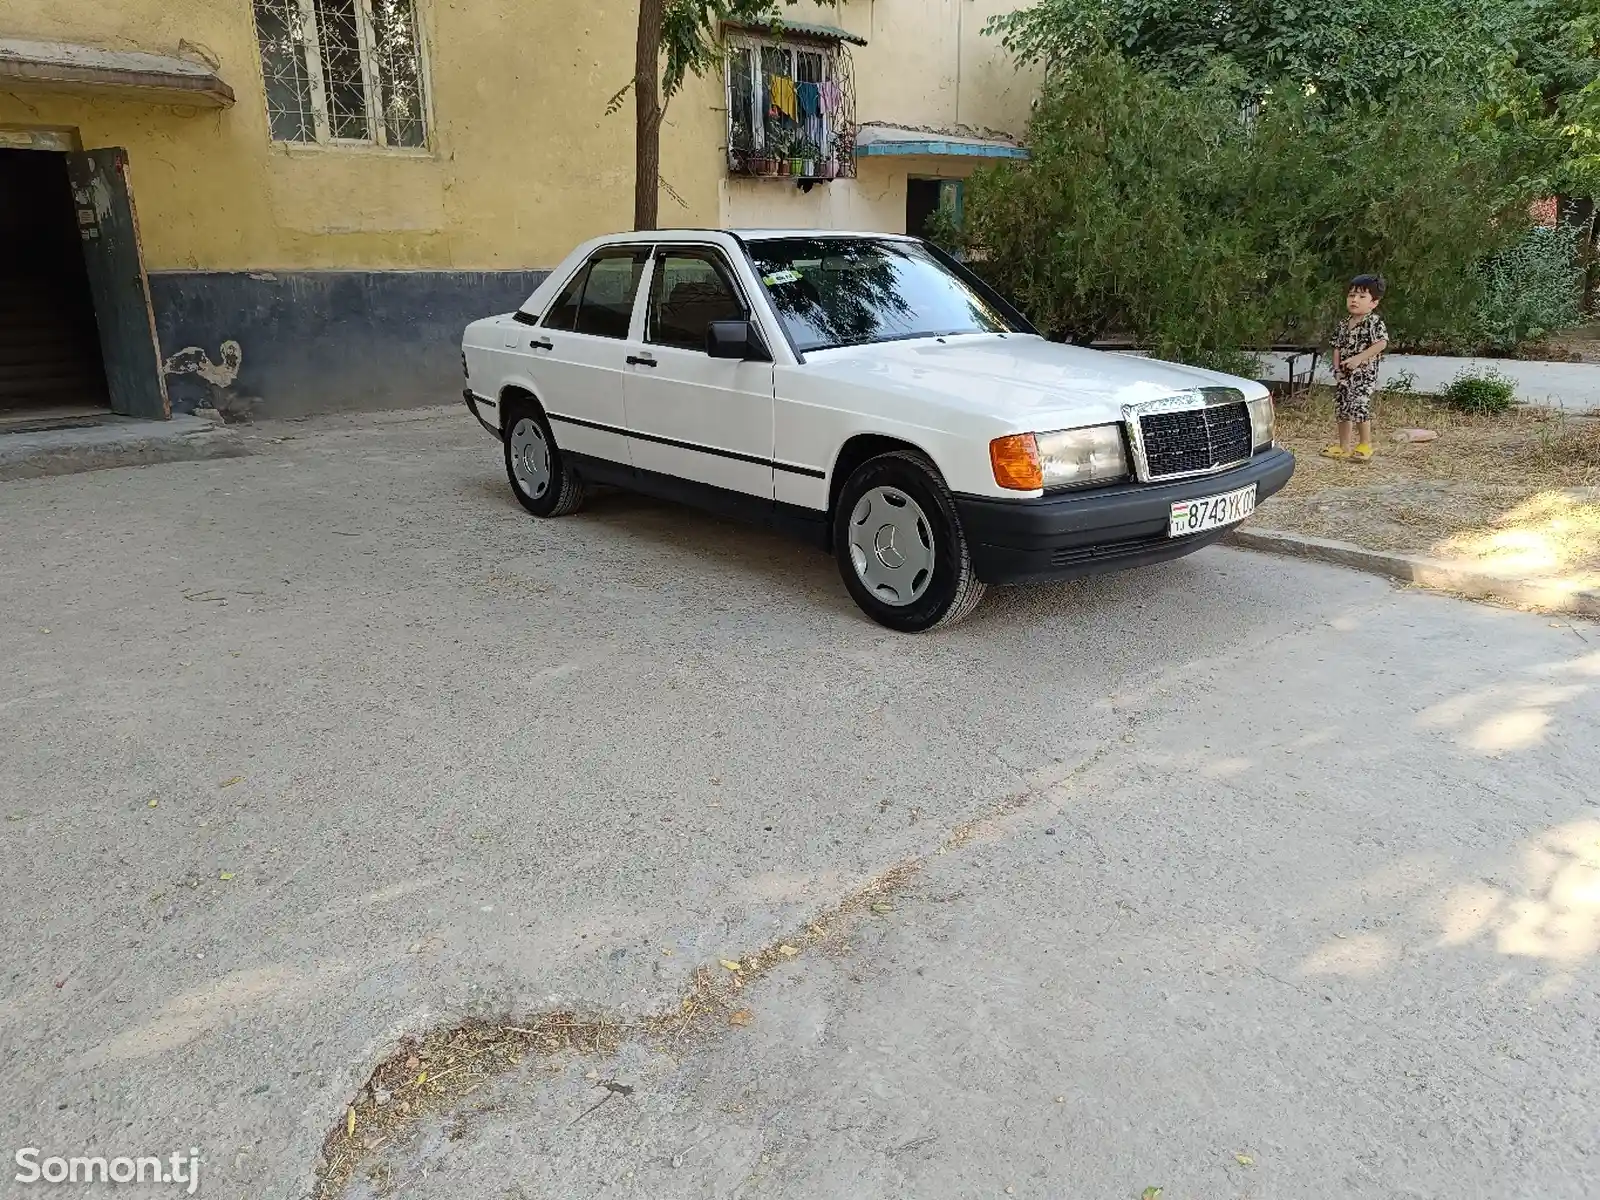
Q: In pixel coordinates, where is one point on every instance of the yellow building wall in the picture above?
(523, 162)
(874, 201)
(927, 64)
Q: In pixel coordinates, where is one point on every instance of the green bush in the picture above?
(1158, 211)
(1490, 392)
(1112, 223)
(1530, 290)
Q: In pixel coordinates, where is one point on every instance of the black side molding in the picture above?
(787, 468)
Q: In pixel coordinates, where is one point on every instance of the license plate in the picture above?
(1209, 512)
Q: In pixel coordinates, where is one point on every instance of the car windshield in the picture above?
(849, 291)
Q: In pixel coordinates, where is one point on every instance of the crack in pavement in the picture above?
(400, 1090)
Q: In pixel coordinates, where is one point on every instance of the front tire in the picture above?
(900, 546)
(540, 478)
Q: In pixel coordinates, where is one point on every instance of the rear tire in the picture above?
(540, 478)
(900, 546)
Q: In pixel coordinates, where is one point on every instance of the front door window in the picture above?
(690, 290)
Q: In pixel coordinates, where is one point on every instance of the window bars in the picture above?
(342, 71)
(791, 109)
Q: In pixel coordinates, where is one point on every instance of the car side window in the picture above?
(691, 289)
(606, 309)
(563, 313)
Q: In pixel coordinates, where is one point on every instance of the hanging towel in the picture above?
(784, 98)
(809, 96)
(832, 97)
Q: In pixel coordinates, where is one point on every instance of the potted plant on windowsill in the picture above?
(808, 152)
(778, 150)
(830, 166)
(773, 152)
(797, 158)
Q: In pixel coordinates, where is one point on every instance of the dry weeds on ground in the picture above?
(1519, 490)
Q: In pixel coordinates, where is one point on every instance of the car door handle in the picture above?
(542, 344)
(641, 360)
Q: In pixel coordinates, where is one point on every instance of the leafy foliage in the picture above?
(1489, 392)
(1154, 209)
(1530, 289)
(1354, 51)
(1530, 65)
(1552, 93)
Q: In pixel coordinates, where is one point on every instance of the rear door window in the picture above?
(563, 313)
(606, 309)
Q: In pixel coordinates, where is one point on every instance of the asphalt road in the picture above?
(1297, 890)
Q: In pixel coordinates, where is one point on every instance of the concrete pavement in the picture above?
(315, 748)
(1574, 387)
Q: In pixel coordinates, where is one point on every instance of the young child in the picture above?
(1357, 346)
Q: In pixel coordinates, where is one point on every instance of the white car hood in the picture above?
(1026, 381)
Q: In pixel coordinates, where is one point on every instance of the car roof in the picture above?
(757, 235)
(749, 235)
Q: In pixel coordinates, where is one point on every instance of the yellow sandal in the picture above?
(1362, 452)
(1334, 451)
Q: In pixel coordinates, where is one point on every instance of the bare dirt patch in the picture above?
(1519, 491)
(1580, 344)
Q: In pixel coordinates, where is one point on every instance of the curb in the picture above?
(115, 443)
(1435, 573)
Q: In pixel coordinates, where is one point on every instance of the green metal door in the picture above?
(117, 281)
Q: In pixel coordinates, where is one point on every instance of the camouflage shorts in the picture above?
(1352, 400)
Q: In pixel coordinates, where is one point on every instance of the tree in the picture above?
(1356, 50)
(1531, 65)
(676, 38)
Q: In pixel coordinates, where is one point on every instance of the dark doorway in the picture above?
(50, 357)
(922, 201)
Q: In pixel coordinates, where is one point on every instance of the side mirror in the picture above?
(736, 340)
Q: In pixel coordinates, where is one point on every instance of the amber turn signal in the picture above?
(1016, 462)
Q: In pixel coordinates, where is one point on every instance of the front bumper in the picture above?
(1068, 535)
(474, 402)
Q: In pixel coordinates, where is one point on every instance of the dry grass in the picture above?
(1520, 490)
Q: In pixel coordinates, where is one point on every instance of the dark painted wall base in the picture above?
(325, 341)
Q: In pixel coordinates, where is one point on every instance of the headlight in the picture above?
(1028, 462)
(1071, 457)
(1263, 423)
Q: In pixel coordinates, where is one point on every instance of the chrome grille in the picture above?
(1191, 434)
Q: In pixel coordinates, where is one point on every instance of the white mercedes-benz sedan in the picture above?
(871, 393)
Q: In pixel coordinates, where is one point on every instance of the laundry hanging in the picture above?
(832, 97)
(782, 91)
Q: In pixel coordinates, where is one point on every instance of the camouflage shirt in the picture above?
(1350, 340)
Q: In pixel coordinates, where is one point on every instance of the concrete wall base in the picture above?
(321, 341)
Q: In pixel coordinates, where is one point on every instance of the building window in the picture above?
(342, 71)
(790, 103)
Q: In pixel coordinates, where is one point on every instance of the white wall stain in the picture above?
(193, 360)
(101, 192)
